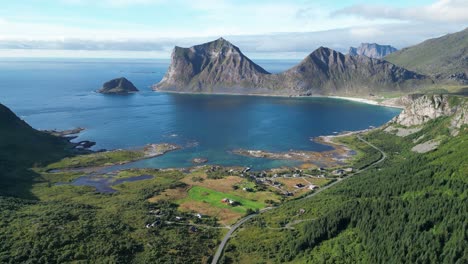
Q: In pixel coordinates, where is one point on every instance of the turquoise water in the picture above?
(59, 94)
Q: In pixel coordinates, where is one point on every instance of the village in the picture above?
(232, 192)
(279, 178)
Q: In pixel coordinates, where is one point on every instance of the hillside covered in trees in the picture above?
(411, 208)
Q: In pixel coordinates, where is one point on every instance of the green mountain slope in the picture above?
(444, 58)
(409, 209)
(23, 147)
(43, 222)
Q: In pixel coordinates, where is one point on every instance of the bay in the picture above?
(60, 94)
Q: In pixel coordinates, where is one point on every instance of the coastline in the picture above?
(354, 99)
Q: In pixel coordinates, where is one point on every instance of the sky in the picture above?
(261, 29)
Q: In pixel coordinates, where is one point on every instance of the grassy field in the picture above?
(214, 198)
(203, 195)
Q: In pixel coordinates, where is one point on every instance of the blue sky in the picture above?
(270, 29)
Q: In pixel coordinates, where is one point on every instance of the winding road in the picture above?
(228, 235)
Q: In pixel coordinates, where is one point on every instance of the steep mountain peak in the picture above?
(324, 55)
(213, 64)
(323, 50)
(372, 50)
(222, 41)
(220, 67)
(218, 45)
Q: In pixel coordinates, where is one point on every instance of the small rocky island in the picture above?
(118, 86)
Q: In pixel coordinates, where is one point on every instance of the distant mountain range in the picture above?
(372, 50)
(220, 67)
(444, 58)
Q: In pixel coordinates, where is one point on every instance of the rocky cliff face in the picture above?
(372, 50)
(328, 72)
(428, 107)
(214, 65)
(118, 86)
(220, 67)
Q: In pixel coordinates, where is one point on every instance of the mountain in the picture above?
(118, 86)
(22, 147)
(445, 58)
(20, 143)
(372, 50)
(328, 72)
(211, 67)
(220, 67)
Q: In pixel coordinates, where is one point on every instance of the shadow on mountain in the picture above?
(22, 148)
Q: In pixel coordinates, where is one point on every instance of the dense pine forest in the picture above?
(410, 209)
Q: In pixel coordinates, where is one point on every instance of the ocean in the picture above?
(60, 94)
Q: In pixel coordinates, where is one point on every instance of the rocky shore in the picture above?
(335, 157)
(64, 133)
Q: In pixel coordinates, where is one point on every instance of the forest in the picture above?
(410, 209)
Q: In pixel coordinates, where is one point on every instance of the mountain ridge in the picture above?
(209, 64)
(445, 58)
(220, 67)
(372, 50)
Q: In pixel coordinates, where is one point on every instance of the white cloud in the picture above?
(269, 29)
(113, 3)
(366, 32)
(439, 11)
(280, 45)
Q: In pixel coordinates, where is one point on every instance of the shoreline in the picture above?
(353, 99)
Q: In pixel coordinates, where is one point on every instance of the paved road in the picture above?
(221, 247)
(228, 235)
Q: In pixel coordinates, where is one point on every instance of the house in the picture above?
(338, 172)
(178, 218)
(276, 183)
(198, 215)
(312, 187)
(301, 211)
(349, 169)
(299, 185)
(229, 202)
